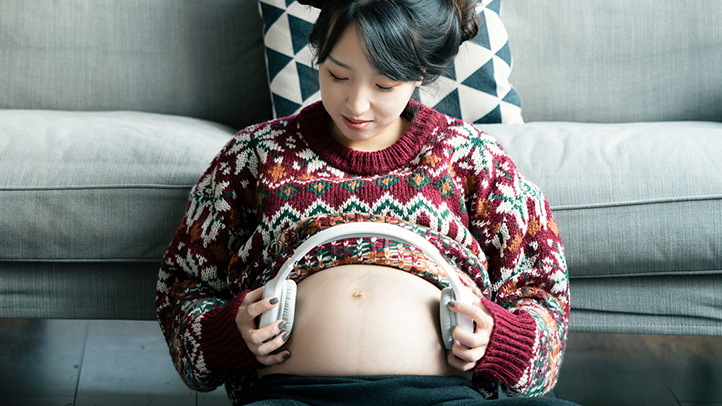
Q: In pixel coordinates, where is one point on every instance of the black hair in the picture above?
(404, 40)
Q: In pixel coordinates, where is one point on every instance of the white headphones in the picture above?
(285, 290)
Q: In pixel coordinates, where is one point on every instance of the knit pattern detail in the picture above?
(221, 340)
(275, 182)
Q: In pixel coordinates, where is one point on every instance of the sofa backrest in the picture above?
(580, 60)
(616, 60)
(194, 58)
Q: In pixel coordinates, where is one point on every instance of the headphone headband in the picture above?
(368, 229)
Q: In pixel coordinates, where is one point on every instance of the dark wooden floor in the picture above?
(87, 363)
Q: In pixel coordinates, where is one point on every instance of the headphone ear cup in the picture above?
(288, 304)
(447, 318)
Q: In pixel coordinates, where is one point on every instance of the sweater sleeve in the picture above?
(529, 301)
(194, 304)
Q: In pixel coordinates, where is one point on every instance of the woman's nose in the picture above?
(358, 101)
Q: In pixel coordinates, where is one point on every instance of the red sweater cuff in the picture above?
(510, 349)
(221, 343)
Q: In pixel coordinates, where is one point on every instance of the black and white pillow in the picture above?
(477, 90)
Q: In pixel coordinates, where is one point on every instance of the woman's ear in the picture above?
(421, 79)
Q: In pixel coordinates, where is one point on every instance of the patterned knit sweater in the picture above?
(277, 183)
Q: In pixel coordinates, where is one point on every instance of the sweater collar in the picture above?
(313, 128)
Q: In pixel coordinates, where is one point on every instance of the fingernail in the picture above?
(282, 325)
(285, 337)
(274, 300)
(452, 303)
(287, 355)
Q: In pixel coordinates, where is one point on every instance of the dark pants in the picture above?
(378, 390)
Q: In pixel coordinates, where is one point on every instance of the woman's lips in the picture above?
(355, 125)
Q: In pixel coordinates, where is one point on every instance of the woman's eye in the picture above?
(336, 78)
(384, 88)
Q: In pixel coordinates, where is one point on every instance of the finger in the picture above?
(247, 315)
(458, 363)
(255, 309)
(269, 346)
(470, 340)
(253, 296)
(273, 359)
(266, 334)
(243, 316)
(272, 331)
(476, 313)
(468, 354)
(246, 318)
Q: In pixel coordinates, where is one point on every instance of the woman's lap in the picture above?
(398, 390)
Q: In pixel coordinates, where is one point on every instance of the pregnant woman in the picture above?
(366, 326)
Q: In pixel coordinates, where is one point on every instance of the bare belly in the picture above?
(365, 320)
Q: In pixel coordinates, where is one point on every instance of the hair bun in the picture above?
(312, 3)
(469, 18)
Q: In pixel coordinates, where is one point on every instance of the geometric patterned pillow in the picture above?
(477, 90)
(292, 78)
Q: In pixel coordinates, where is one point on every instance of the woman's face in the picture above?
(364, 105)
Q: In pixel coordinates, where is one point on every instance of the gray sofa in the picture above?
(110, 111)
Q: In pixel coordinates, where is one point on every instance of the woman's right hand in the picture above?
(265, 341)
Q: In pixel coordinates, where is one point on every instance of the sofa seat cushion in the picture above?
(100, 186)
(633, 199)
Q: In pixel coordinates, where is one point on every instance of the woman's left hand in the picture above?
(468, 347)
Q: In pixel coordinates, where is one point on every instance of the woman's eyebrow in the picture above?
(343, 65)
